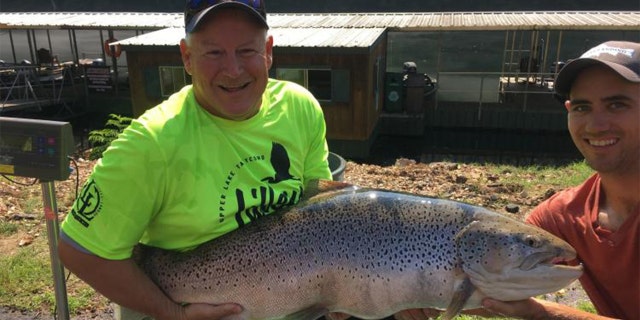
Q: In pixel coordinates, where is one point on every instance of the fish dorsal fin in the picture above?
(317, 187)
(462, 293)
(311, 313)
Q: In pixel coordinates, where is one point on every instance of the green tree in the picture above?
(101, 139)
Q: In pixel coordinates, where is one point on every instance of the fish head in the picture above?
(510, 260)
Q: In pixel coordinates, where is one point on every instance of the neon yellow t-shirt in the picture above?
(178, 176)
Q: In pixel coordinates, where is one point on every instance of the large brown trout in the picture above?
(368, 253)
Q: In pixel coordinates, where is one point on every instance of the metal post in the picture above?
(51, 217)
(504, 57)
(50, 47)
(104, 54)
(75, 46)
(480, 98)
(438, 66)
(114, 63)
(13, 47)
(30, 46)
(73, 56)
(555, 71)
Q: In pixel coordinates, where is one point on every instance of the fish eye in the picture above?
(532, 241)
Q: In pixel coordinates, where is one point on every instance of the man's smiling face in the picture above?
(228, 59)
(604, 120)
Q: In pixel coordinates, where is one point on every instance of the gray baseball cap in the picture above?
(620, 56)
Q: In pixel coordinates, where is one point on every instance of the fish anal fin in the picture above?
(311, 313)
(462, 293)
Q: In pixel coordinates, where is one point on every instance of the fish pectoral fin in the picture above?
(310, 313)
(462, 293)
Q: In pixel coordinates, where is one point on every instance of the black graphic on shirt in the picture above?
(268, 202)
(265, 195)
(88, 204)
(280, 163)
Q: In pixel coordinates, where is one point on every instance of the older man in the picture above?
(197, 166)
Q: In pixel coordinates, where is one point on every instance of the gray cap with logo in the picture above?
(620, 56)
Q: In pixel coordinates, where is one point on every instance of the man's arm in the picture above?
(538, 309)
(124, 283)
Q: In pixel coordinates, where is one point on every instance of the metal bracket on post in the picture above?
(51, 217)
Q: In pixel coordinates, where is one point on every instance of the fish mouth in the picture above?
(538, 274)
(547, 259)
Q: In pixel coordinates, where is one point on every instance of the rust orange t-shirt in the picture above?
(611, 260)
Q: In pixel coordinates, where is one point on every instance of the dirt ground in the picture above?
(471, 183)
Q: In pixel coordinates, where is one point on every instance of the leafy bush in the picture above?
(101, 139)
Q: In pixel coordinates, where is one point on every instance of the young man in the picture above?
(601, 217)
(232, 147)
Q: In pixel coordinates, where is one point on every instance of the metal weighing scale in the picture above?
(39, 149)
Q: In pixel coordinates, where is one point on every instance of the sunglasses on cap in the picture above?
(196, 9)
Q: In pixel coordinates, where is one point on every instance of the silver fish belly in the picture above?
(368, 253)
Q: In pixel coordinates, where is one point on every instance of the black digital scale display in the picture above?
(40, 149)
(35, 148)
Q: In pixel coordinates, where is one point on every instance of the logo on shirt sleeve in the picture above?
(88, 204)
